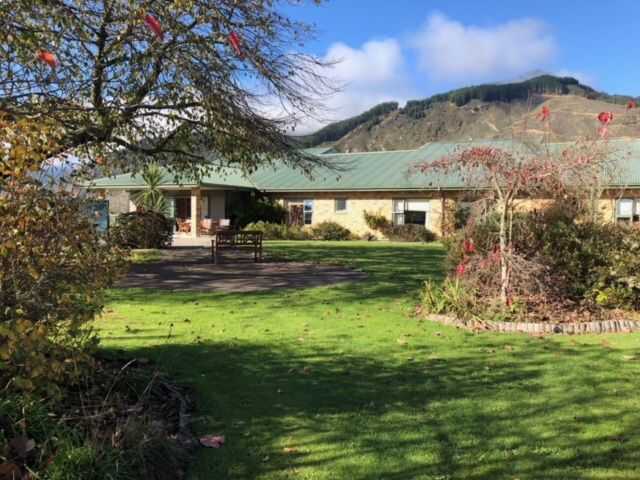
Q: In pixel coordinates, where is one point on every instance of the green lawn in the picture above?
(148, 255)
(344, 382)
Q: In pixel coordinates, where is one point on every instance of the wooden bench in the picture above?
(236, 240)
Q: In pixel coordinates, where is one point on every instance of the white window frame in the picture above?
(307, 203)
(634, 215)
(346, 205)
(399, 210)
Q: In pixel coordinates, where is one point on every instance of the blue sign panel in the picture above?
(99, 214)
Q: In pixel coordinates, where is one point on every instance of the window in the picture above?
(411, 212)
(628, 210)
(300, 212)
(341, 205)
(308, 212)
(398, 212)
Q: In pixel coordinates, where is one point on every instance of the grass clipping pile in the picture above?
(130, 421)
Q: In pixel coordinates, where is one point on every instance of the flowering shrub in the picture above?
(555, 263)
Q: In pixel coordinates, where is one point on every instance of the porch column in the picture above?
(196, 209)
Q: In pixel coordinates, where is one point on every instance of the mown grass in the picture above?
(146, 255)
(344, 382)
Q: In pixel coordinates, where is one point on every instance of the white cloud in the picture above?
(375, 63)
(450, 50)
(368, 75)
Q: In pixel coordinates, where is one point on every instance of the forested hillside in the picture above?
(482, 111)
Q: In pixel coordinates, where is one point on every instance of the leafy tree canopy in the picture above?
(183, 83)
(337, 130)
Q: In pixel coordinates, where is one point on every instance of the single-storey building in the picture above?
(376, 182)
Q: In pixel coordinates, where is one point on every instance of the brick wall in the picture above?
(359, 202)
(118, 201)
(606, 206)
(382, 203)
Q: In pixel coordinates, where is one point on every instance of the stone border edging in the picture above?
(540, 328)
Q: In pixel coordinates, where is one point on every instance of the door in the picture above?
(183, 214)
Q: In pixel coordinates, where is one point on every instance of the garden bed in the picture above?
(540, 328)
(129, 421)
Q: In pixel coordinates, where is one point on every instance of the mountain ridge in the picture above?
(487, 111)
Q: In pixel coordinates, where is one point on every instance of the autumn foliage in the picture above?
(53, 267)
(502, 176)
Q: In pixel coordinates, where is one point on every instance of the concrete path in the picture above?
(190, 269)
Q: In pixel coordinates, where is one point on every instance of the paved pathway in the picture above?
(190, 269)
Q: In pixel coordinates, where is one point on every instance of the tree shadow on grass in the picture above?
(393, 271)
(496, 408)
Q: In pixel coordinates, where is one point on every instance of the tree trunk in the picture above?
(504, 271)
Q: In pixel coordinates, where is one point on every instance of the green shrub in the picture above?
(257, 209)
(588, 261)
(617, 283)
(145, 229)
(450, 297)
(580, 252)
(458, 298)
(409, 233)
(54, 269)
(485, 235)
(279, 231)
(398, 233)
(330, 231)
(376, 221)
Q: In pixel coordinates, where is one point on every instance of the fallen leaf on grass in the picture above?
(290, 450)
(212, 441)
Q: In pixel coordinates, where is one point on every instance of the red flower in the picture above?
(469, 246)
(234, 41)
(544, 114)
(48, 58)
(154, 25)
(605, 117)
(460, 269)
(631, 104)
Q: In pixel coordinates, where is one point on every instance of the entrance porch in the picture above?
(198, 213)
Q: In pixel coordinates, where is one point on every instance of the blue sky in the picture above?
(403, 49)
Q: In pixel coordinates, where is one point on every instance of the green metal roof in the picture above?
(371, 171)
(366, 171)
(226, 178)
